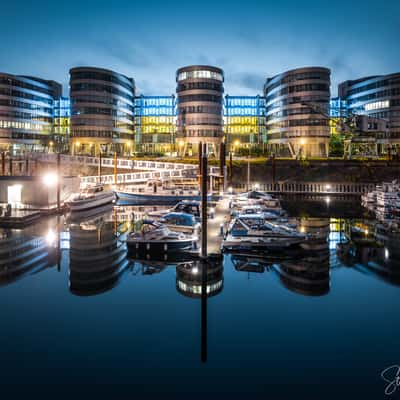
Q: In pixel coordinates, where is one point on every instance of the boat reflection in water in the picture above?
(377, 255)
(307, 272)
(97, 256)
(193, 277)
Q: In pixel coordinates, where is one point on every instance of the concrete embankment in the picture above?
(316, 171)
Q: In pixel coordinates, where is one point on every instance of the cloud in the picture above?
(249, 81)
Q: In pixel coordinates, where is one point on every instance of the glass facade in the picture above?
(62, 123)
(244, 121)
(102, 112)
(199, 108)
(337, 110)
(26, 112)
(297, 112)
(377, 97)
(155, 123)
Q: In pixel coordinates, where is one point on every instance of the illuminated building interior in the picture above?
(62, 120)
(337, 110)
(155, 124)
(244, 121)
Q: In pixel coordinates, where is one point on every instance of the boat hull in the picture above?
(82, 205)
(153, 199)
(257, 245)
(167, 246)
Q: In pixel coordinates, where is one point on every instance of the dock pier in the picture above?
(221, 217)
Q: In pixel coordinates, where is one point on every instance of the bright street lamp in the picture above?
(50, 179)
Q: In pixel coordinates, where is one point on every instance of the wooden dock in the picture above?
(221, 217)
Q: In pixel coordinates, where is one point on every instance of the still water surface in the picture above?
(76, 310)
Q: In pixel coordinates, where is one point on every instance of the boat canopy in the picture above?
(175, 218)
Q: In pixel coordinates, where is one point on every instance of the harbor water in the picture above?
(76, 309)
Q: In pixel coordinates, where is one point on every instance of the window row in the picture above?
(28, 106)
(155, 120)
(122, 103)
(244, 101)
(156, 129)
(200, 97)
(299, 77)
(155, 101)
(376, 95)
(202, 133)
(24, 85)
(318, 100)
(199, 74)
(107, 90)
(293, 111)
(200, 85)
(103, 122)
(24, 95)
(76, 111)
(25, 116)
(374, 85)
(299, 122)
(101, 134)
(101, 76)
(307, 87)
(24, 125)
(243, 111)
(156, 111)
(217, 110)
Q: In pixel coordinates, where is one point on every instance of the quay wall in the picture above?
(316, 171)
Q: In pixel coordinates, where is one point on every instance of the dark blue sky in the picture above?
(250, 40)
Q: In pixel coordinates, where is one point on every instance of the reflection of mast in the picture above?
(97, 259)
(200, 279)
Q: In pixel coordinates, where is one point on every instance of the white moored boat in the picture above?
(91, 197)
(253, 233)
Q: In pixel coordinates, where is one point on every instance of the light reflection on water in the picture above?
(66, 276)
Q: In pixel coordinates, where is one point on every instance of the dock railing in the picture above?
(356, 188)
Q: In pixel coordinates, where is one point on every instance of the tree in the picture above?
(336, 145)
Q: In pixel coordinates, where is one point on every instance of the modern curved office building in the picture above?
(26, 112)
(199, 91)
(297, 112)
(377, 97)
(102, 116)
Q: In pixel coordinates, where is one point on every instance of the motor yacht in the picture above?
(91, 197)
(159, 193)
(253, 233)
(155, 237)
(253, 198)
(181, 222)
(185, 206)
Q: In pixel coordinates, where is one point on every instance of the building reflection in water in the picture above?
(25, 252)
(372, 249)
(97, 256)
(193, 277)
(309, 273)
